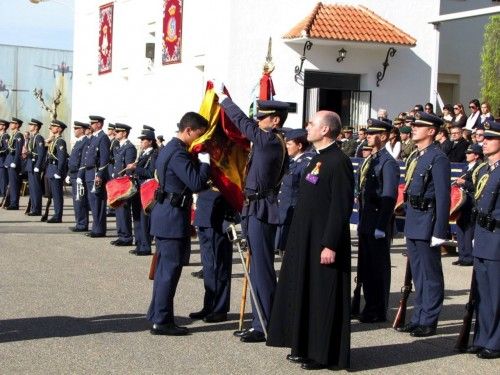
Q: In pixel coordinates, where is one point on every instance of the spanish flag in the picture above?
(227, 147)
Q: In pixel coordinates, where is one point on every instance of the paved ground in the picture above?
(71, 304)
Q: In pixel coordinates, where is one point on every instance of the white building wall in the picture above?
(228, 39)
(461, 46)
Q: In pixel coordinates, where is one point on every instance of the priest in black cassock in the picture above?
(311, 309)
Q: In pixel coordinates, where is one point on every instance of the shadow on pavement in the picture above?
(67, 326)
(376, 357)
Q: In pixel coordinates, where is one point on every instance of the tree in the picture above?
(490, 65)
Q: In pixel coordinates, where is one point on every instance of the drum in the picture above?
(399, 208)
(457, 200)
(148, 189)
(119, 190)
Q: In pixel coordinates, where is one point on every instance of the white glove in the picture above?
(204, 157)
(219, 89)
(56, 176)
(473, 243)
(36, 170)
(67, 180)
(436, 241)
(79, 180)
(12, 165)
(379, 234)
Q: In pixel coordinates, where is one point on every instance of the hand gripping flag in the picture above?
(227, 147)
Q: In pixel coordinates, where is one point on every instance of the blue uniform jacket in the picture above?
(96, 158)
(36, 153)
(145, 168)
(14, 149)
(4, 147)
(210, 209)
(182, 175)
(486, 243)
(76, 155)
(378, 196)
(57, 158)
(422, 225)
(124, 155)
(289, 190)
(265, 166)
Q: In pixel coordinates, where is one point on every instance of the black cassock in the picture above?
(311, 309)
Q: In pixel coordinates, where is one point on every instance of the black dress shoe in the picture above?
(198, 274)
(113, 242)
(170, 329)
(312, 365)
(215, 318)
(473, 349)
(296, 359)
(143, 253)
(95, 235)
(75, 229)
(240, 333)
(456, 263)
(488, 354)
(372, 319)
(253, 336)
(463, 263)
(424, 331)
(133, 251)
(54, 220)
(34, 214)
(122, 243)
(12, 208)
(410, 327)
(43, 218)
(199, 314)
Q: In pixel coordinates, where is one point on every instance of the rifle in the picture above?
(399, 320)
(356, 297)
(152, 267)
(45, 215)
(463, 337)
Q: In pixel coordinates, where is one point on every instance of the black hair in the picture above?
(192, 120)
(419, 107)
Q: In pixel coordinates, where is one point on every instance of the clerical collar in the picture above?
(318, 150)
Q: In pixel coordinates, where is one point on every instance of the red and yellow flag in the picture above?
(227, 147)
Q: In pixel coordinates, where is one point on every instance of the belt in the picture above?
(258, 195)
(420, 203)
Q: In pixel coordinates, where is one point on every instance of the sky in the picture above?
(48, 24)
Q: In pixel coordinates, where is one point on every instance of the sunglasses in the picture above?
(456, 108)
(472, 107)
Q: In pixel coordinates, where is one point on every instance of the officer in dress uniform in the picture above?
(13, 162)
(57, 168)
(78, 190)
(265, 169)
(143, 169)
(299, 157)
(378, 189)
(34, 166)
(179, 176)
(4, 147)
(216, 255)
(124, 155)
(407, 145)
(486, 343)
(349, 143)
(94, 170)
(426, 226)
(465, 226)
(113, 149)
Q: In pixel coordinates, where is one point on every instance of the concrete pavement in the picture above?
(72, 304)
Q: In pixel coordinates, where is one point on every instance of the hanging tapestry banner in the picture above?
(172, 32)
(105, 38)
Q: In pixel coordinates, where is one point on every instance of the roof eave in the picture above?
(342, 42)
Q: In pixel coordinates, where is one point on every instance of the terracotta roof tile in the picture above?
(349, 23)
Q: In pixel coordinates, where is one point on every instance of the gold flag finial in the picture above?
(269, 65)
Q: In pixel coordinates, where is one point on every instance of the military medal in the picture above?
(313, 177)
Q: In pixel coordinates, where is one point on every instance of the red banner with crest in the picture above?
(172, 32)
(105, 38)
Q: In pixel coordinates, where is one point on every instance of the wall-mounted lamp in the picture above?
(342, 53)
